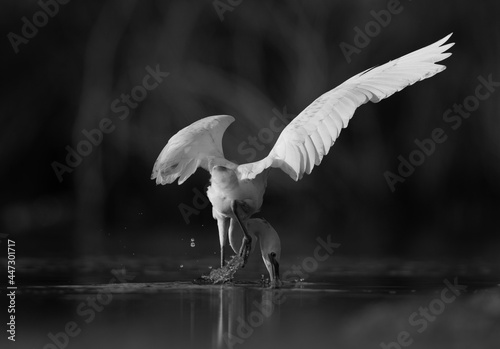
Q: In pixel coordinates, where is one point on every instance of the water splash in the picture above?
(224, 274)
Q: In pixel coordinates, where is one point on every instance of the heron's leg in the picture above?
(223, 225)
(238, 208)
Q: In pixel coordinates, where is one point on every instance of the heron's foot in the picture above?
(246, 246)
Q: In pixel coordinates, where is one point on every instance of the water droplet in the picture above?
(193, 244)
(181, 266)
(301, 280)
(192, 239)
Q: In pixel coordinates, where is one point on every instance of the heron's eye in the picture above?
(273, 254)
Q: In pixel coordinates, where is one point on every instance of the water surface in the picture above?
(348, 312)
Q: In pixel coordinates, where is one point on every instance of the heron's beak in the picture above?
(275, 270)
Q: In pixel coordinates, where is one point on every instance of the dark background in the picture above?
(264, 55)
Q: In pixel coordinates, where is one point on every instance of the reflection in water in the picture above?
(232, 314)
(241, 311)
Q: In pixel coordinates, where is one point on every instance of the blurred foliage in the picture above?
(264, 55)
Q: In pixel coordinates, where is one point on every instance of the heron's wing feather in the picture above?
(196, 145)
(305, 140)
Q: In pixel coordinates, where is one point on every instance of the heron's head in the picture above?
(270, 246)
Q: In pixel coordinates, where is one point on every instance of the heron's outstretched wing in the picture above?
(305, 140)
(196, 145)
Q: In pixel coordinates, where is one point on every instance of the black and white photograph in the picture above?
(233, 174)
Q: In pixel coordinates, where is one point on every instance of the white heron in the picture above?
(236, 191)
